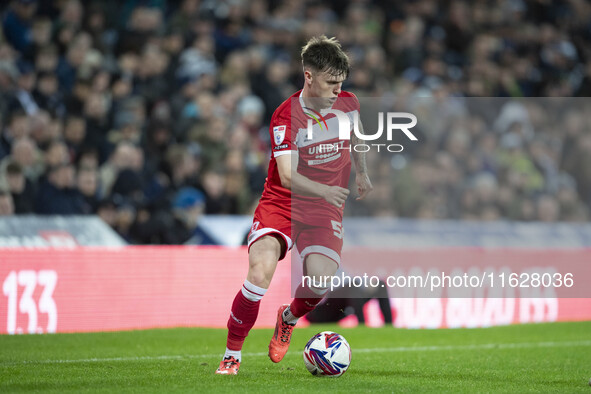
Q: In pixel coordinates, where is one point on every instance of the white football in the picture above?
(327, 354)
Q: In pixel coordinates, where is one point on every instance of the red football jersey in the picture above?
(323, 157)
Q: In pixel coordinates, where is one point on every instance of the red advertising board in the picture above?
(104, 289)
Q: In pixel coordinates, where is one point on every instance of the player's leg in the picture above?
(319, 268)
(263, 256)
(307, 296)
(320, 248)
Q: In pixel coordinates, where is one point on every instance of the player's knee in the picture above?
(260, 273)
(262, 266)
(320, 266)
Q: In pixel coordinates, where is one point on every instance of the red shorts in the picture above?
(270, 220)
(324, 236)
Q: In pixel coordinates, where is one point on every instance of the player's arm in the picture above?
(304, 186)
(364, 185)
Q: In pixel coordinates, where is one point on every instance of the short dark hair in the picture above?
(325, 54)
(13, 168)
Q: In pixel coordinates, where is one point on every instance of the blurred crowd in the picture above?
(152, 112)
(486, 159)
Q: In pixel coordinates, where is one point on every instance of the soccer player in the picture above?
(315, 166)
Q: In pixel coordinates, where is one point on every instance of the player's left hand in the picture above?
(364, 185)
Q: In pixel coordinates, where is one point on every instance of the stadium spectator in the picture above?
(46, 59)
(88, 157)
(187, 207)
(26, 154)
(44, 129)
(40, 36)
(87, 184)
(129, 187)
(123, 157)
(107, 211)
(21, 188)
(23, 95)
(47, 94)
(56, 154)
(16, 24)
(17, 126)
(75, 133)
(57, 194)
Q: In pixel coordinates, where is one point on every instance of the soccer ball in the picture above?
(327, 354)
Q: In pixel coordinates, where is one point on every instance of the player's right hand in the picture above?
(336, 195)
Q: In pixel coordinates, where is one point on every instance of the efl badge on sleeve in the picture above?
(279, 134)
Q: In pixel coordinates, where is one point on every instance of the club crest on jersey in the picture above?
(279, 134)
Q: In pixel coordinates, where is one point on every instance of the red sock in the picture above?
(243, 315)
(306, 299)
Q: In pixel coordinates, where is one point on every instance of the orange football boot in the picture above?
(281, 337)
(228, 366)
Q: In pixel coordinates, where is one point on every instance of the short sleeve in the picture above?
(281, 139)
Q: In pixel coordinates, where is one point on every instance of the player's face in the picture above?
(324, 85)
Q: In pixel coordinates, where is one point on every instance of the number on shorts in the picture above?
(338, 229)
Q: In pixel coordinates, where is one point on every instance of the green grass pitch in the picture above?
(536, 357)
